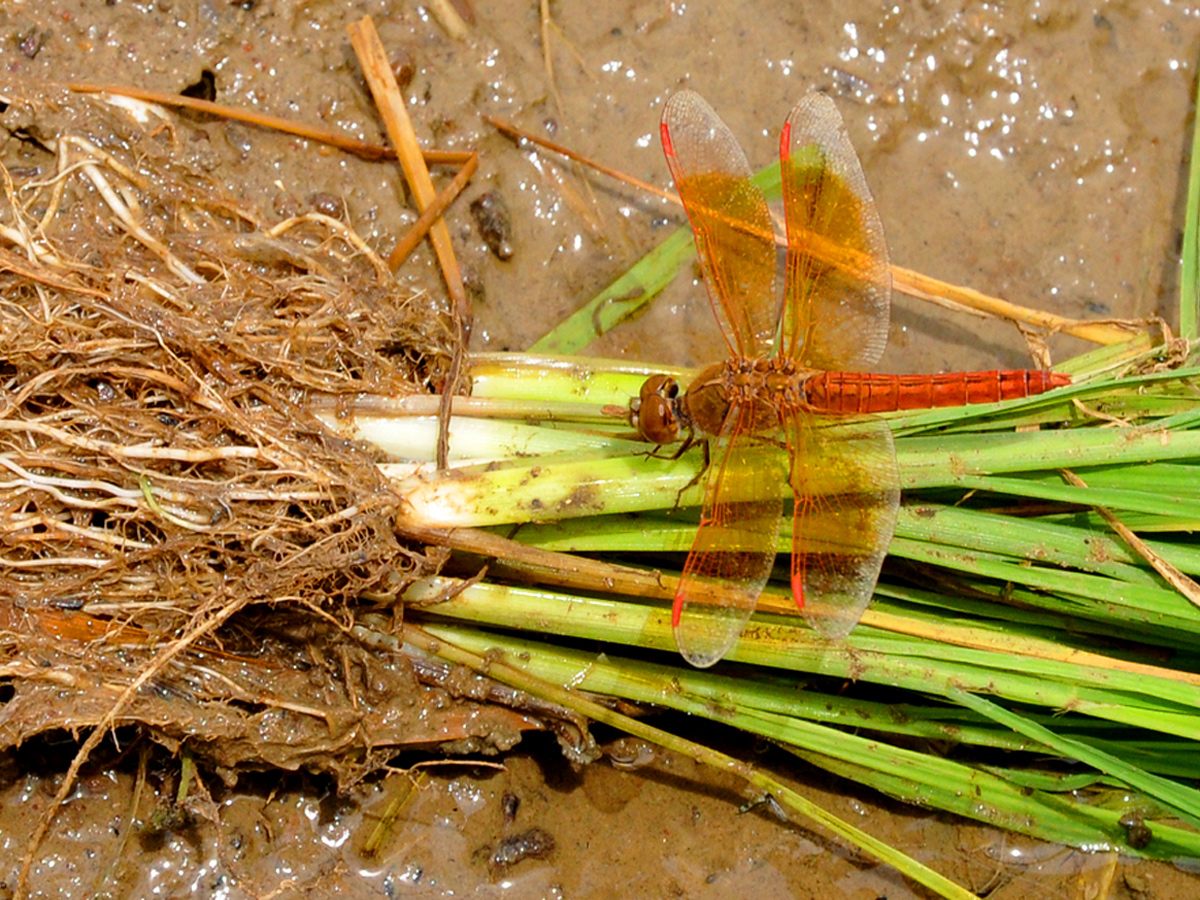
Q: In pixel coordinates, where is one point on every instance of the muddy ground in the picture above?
(1033, 151)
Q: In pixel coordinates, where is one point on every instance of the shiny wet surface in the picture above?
(1031, 151)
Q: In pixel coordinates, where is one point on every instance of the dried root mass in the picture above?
(159, 470)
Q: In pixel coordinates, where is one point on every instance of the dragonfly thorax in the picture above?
(764, 390)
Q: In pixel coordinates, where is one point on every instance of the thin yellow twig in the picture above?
(275, 123)
(421, 227)
(390, 103)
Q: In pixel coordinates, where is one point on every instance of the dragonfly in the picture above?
(791, 404)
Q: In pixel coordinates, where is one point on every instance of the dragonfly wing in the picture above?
(846, 486)
(730, 219)
(837, 298)
(735, 546)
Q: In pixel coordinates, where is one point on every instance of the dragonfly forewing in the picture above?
(838, 288)
(729, 216)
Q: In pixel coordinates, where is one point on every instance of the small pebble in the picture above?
(403, 67)
(32, 42)
(508, 806)
(495, 226)
(532, 843)
(327, 203)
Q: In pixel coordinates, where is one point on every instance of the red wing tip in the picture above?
(665, 133)
(677, 611)
(798, 590)
(785, 142)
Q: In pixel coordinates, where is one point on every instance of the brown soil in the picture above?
(1036, 154)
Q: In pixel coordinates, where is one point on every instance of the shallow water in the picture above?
(1027, 150)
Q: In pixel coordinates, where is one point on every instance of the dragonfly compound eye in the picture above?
(653, 411)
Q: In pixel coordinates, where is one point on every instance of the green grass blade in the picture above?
(1189, 296)
(1183, 801)
(621, 299)
(765, 710)
(1143, 697)
(513, 669)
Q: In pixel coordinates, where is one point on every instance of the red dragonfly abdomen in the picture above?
(855, 392)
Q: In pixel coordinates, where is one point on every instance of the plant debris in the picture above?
(162, 482)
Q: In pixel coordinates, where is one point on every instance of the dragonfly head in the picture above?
(655, 411)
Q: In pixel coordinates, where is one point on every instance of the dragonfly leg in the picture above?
(687, 445)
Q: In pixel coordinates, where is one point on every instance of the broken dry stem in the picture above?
(441, 203)
(390, 102)
(275, 123)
